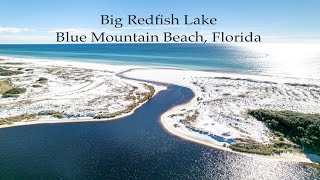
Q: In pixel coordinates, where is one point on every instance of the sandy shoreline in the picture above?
(169, 76)
(185, 134)
(75, 120)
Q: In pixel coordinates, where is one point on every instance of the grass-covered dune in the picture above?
(5, 86)
(302, 129)
(18, 118)
(145, 97)
(6, 72)
(14, 92)
(264, 149)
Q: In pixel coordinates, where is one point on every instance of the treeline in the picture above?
(302, 129)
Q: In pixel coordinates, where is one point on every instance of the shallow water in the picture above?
(134, 147)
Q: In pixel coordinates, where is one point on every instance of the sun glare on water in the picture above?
(289, 60)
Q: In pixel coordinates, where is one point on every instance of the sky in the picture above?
(36, 21)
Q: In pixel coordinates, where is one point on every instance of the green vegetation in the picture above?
(6, 72)
(14, 92)
(263, 149)
(58, 115)
(242, 95)
(280, 135)
(10, 120)
(36, 86)
(5, 86)
(190, 119)
(42, 80)
(314, 165)
(303, 129)
(277, 133)
(144, 97)
(54, 114)
(6, 95)
(14, 63)
(302, 85)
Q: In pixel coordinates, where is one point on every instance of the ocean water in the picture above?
(284, 60)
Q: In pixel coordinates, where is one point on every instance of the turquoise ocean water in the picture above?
(270, 61)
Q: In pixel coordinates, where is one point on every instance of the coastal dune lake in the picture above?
(134, 147)
(137, 146)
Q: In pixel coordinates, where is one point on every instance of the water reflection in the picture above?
(286, 60)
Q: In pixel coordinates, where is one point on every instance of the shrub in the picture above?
(42, 79)
(10, 120)
(14, 92)
(58, 115)
(6, 72)
(36, 86)
(277, 133)
(52, 113)
(6, 95)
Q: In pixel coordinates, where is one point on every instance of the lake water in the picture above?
(134, 147)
